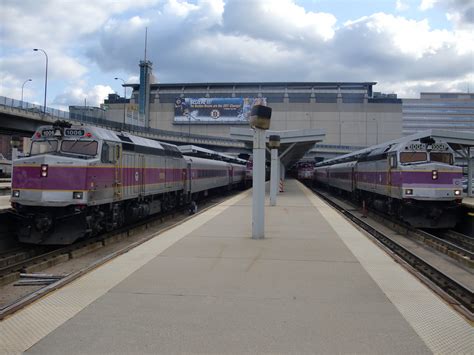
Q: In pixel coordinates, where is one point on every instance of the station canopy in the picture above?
(293, 144)
(459, 141)
(195, 151)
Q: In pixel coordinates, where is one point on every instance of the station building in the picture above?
(440, 110)
(350, 112)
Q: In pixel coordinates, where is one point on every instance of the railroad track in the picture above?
(36, 258)
(449, 247)
(153, 221)
(460, 239)
(453, 291)
(17, 255)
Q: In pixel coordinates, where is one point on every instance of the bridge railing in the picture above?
(52, 113)
(32, 108)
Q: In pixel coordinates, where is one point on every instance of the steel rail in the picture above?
(455, 291)
(465, 241)
(453, 250)
(30, 298)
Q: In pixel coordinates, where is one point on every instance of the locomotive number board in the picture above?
(47, 132)
(74, 132)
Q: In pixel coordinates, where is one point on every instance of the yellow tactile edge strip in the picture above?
(439, 326)
(25, 328)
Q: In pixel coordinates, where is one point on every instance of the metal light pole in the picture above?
(22, 87)
(124, 101)
(260, 122)
(45, 77)
(274, 144)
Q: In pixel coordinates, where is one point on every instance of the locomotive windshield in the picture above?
(413, 157)
(44, 147)
(446, 158)
(79, 147)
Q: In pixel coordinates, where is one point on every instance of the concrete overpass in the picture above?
(22, 118)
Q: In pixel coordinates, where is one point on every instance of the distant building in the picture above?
(442, 110)
(350, 113)
(86, 111)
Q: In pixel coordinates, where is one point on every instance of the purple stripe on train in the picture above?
(28, 177)
(84, 178)
(404, 177)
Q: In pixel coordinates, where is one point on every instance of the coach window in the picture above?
(413, 157)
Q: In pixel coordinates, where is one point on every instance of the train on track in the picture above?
(77, 181)
(305, 170)
(416, 181)
(5, 167)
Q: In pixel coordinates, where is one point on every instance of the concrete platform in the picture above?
(468, 202)
(5, 202)
(315, 284)
(5, 188)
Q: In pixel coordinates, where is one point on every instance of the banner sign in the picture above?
(215, 110)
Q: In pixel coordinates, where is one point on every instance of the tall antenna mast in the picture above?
(146, 34)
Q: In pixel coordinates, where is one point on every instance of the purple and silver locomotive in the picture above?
(77, 181)
(415, 180)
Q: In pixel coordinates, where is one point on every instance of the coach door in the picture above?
(169, 170)
(118, 172)
(231, 175)
(138, 174)
(189, 177)
(354, 178)
(142, 174)
(392, 164)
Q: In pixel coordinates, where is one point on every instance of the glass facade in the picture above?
(449, 111)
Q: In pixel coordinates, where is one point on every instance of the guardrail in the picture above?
(51, 113)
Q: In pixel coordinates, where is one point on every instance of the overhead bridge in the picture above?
(17, 117)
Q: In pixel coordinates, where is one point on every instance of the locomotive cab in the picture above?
(50, 187)
(428, 172)
(53, 173)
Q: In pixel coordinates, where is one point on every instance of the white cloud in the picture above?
(426, 4)
(279, 20)
(401, 5)
(77, 96)
(235, 40)
(55, 23)
(459, 12)
(410, 37)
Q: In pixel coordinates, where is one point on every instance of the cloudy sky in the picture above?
(407, 46)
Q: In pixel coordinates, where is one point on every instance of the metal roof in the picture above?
(193, 150)
(293, 144)
(336, 84)
(456, 139)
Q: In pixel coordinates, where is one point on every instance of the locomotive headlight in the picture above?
(77, 195)
(434, 174)
(16, 193)
(44, 170)
(457, 192)
(408, 192)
